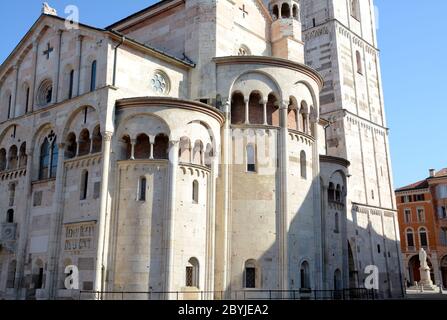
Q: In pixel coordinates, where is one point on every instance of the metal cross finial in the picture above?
(48, 51)
(244, 12)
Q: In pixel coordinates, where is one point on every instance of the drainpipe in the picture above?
(115, 59)
(325, 136)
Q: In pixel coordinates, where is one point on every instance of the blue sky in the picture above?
(413, 47)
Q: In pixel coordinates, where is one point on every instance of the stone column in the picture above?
(33, 89)
(283, 154)
(247, 111)
(151, 157)
(79, 43)
(56, 227)
(77, 149)
(16, 89)
(170, 217)
(102, 223)
(58, 68)
(264, 105)
(132, 149)
(24, 225)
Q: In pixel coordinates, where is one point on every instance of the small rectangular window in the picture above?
(143, 186)
(189, 276)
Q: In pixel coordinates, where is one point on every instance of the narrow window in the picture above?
(304, 276)
(251, 158)
(27, 99)
(84, 185)
(421, 215)
(70, 84)
(93, 77)
(195, 192)
(410, 239)
(303, 162)
(407, 216)
(9, 106)
(359, 62)
(12, 193)
(143, 186)
(423, 237)
(10, 216)
(250, 277)
(192, 273)
(378, 248)
(44, 162)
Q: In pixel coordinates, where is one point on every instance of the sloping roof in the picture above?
(184, 61)
(423, 184)
(139, 13)
(441, 173)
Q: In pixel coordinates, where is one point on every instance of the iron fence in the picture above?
(238, 295)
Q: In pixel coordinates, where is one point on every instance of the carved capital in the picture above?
(107, 136)
(284, 105)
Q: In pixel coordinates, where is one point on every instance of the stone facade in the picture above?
(189, 148)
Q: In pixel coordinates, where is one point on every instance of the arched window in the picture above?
(2, 159)
(237, 108)
(295, 12)
(355, 9)
(161, 147)
(255, 109)
(84, 143)
(359, 62)
(251, 158)
(93, 76)
(12, 158)
(70, 84)
(275, 12)
(250, 275)
(142, 147)
(304, 276)
(209, 155)
(198, 153)
(244, 51)
(195, 191)
(10, 216)
(23, 159)
(45, 93)
(38, 274)
(185, 150)
(96, 140)
(11, 279)
(337, 280)
(84, 185)
(337, 223)
(410, 238)
(143, 188)
(423, 238)
(331, 192)
(192, 273)
(44, 162)
(285, 10)
(71, 147)
(303, 165)
(338, 193)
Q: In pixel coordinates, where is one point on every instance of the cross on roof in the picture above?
(244, 12)
(48, 51)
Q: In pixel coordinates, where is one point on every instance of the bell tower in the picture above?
(286, 32)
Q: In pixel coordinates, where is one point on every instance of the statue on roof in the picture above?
(46, 9)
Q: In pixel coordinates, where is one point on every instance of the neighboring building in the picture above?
(185, 149)
(423, 224)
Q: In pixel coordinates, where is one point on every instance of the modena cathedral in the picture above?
(208, 148)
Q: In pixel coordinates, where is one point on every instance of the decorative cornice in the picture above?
(171, 102)
(274, 62)
(335, 160)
